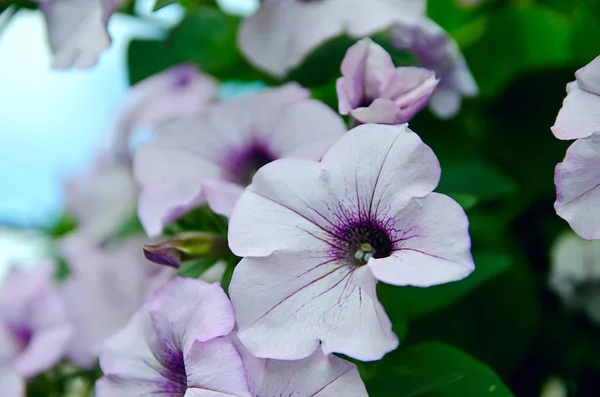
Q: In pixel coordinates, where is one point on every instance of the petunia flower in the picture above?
(578, 187)
(575, 273)
(13, 384)
(373, 90)
(105, 288)
(436, 50)
(213, 156)
(317, 237)
(176, 92)
(34, 330)
(77, 30)
(283, 32)
(580, 114)
(179, 345)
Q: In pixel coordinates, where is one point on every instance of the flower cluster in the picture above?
(301, 211)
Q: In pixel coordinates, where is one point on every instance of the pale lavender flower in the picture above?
(179, 91)
(283, 32)
(436, 50)
(317, 237)
(179, 345)
(77, 30)
(578, 187)
(373, 90)
(34, 330)
(213, 156)
(580, 114)
(174, 346)
(13, 384)
(105, 288)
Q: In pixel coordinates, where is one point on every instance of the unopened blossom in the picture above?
(211, 157)
(77, 30)
(580, 114)
(282, 33)
(575, 273)
(577, 183)
(316, 238)
(34, 330)
(180, 344)
(13, 384)
(373, 90)
(102, 199)
(437, 51)
(179, 91)
(105, 288)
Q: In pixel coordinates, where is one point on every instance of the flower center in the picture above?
(22, 335)
(243, 163)
(174, 375)
(360, 241)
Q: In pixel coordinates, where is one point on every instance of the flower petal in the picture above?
(205, 315)
(77, 30)
(578, 187)
(435, 245)
(221, 196)
(13, 385)
(171, 185)
(287, 305)
(579, 116)
(214, 368)
(319, 375)
(588, 77)
(282, 33)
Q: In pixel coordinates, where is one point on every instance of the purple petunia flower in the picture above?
(213, 156)
(77, 30)
(373, 90)
(317, 237)
(34, 330)
(178, 345)
(283, 32)
(580, 114)
(437, 51)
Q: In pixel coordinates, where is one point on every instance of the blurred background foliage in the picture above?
(501, 325)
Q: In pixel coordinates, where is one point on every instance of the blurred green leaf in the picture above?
(437, 370)
(586, 30)
(323, 64)
(409, 302)
(476, 178)
(466, 200)
(519, 40)
(148, 57)
(207, 36)
(195, 269)
(201, 219)
(162, 3)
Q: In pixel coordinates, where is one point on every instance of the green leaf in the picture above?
(323, 64)
(466, 200)
(207, 37)
(437, 370)
(519, 40)
(475, 178)
(148, 57)
(586, 30)
(409, 302)
(195, 269)
(162, 3)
